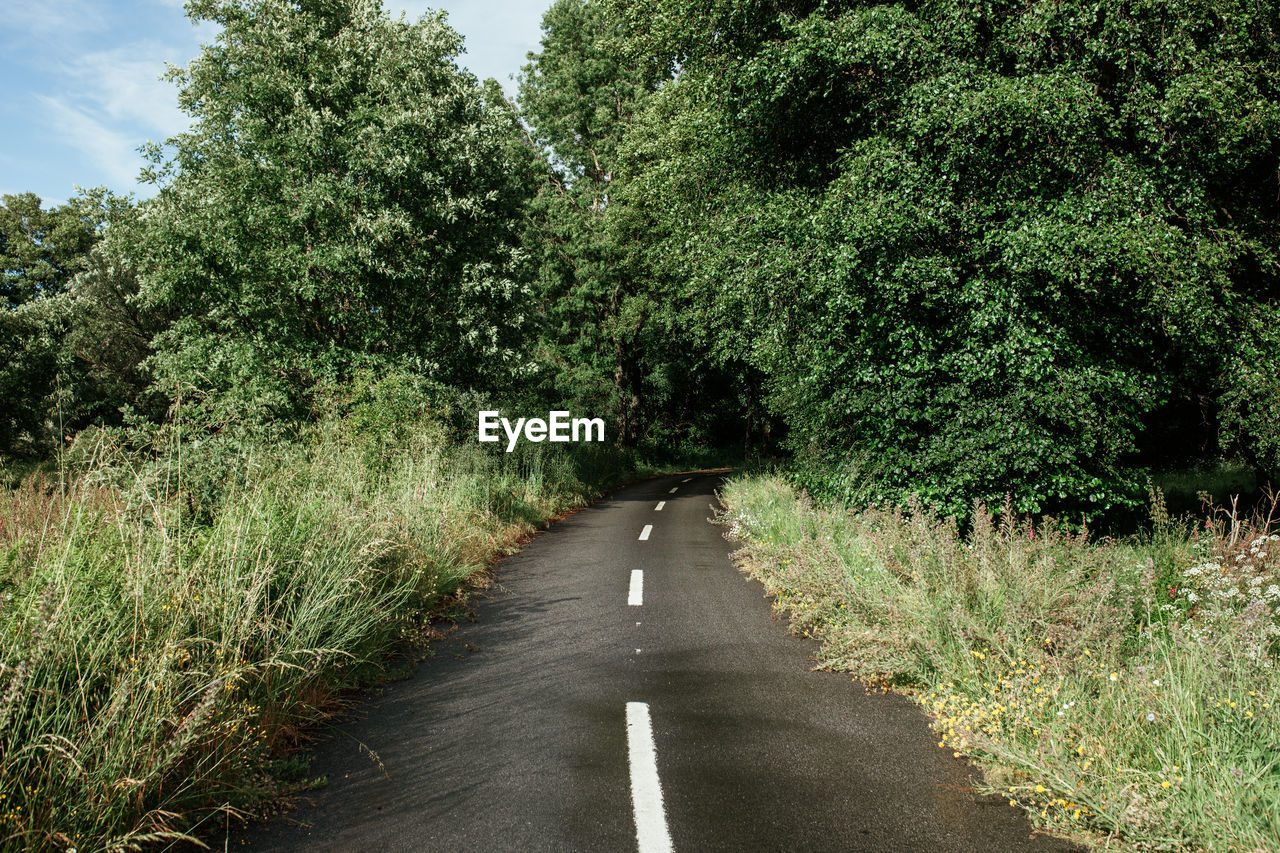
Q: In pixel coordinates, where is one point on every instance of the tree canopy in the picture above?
(974, 250)
(943, 250)
(347, 197)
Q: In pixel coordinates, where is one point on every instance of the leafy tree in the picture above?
(41, 251)
(579, 96)
(615, 335)
(111, 330)
(346, 198)
(976, 249)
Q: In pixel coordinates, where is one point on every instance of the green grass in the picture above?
(1124, 692)
(160, 652)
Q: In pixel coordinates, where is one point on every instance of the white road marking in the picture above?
(644, 534)
(673, 490)
(635, 597)
(686, 479)
(659, 507)
(646, 790)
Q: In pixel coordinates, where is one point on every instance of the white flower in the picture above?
(1151, 718)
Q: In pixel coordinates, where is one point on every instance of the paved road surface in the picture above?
(590, 708)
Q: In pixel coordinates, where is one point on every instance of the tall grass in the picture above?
(1121, 691)
(153, 665)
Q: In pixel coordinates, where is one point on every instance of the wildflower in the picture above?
(1151, 718)
(1115, 676)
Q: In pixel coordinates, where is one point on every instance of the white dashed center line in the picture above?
(646, 790)
(635, 596)
(686, 479)
(673, 490)
(644, 534)
(659, 507)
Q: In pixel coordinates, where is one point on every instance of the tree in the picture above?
(40, 251)
(578, 98)
(614, 335)
(975, 250)
(346, 198)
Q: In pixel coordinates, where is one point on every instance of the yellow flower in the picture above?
(1164, 784)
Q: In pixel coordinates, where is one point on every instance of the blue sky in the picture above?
(81, 91)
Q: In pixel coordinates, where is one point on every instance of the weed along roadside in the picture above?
(158, 669)
(1120, 692)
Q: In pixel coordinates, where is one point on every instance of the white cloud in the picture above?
(51, 17)
(111, 103)
(115, 153)
(124, 85)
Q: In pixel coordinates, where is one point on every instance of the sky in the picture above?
(80, 87)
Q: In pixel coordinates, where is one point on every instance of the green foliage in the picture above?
(1120, 688)
(578, 92)
(41, 252)
(30, 359)
(346, 198)
(579, 98)
(974, 250)
(614, 338)
(1251, 403)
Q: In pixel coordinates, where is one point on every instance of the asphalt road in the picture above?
(527, 730)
